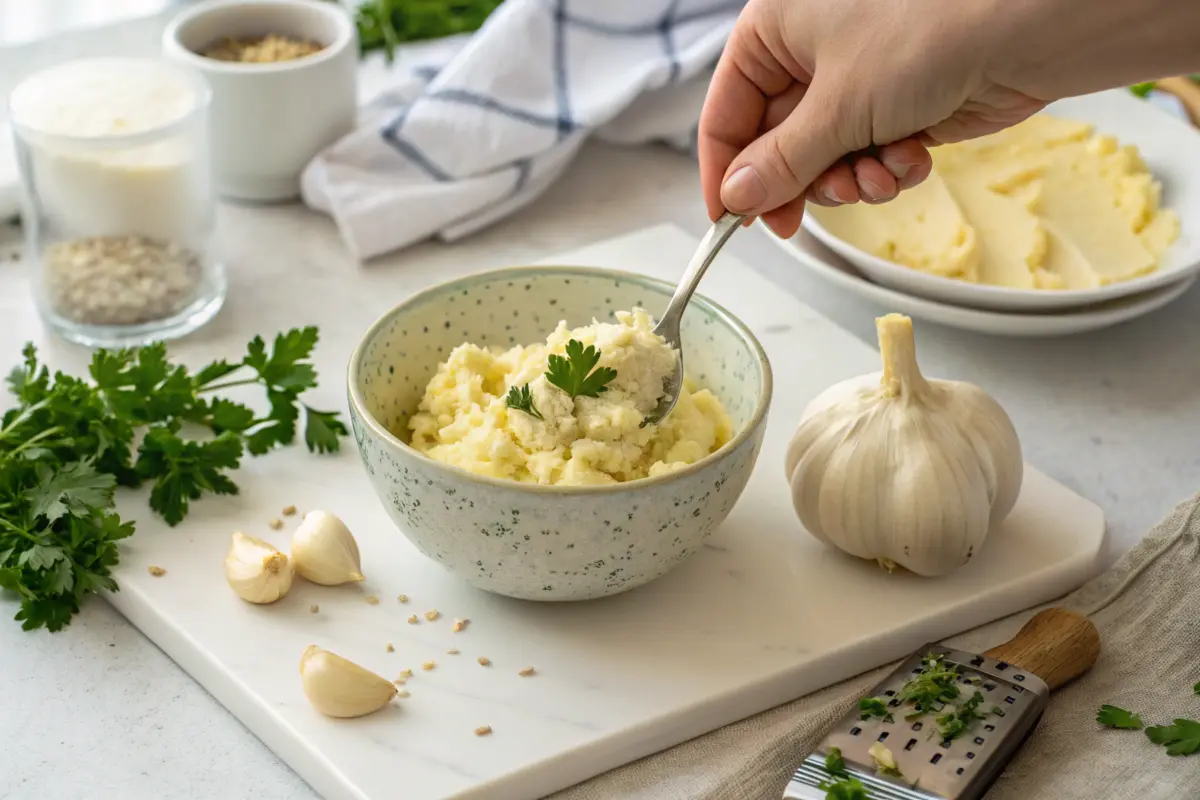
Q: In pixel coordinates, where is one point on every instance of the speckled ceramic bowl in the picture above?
(548, 542)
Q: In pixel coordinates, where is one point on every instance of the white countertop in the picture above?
(98, 712)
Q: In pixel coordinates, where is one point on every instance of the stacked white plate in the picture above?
(1171, 149)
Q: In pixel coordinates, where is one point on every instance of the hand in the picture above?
(836, 101)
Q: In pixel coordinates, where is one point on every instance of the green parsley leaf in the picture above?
(280, 427)
(521, 399)
(183, 470)
(1142, 89)
(72, 489)
(1196, 688)
(1115, 717)
(869, 707)
(285, 369)
(573, 373)
(844, 789)
(1181, 739)
(213, 371)
(322, 430)
(835, 765)
(934, 684)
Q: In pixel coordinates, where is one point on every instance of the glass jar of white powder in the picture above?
(119, 207)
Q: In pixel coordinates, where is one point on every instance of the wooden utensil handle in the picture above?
(1186, 91)
(1057, 645)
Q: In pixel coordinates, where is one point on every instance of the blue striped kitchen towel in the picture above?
(451, 147)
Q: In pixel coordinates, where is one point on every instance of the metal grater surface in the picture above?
(961, 769)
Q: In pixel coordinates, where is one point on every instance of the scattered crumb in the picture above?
(276, 524)
(403, 598)
(428, 665)
(460, 625)
(372, 600)
(432, 615)
(402, 693)
(400, 681)
(525, 673)
(414, 619)
(483, 730)
(157, 572)
(288, 511)
(484, 661)
(453, 651)
(389, 648)
(314, 608)
(406, 673)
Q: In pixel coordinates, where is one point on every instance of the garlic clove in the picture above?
(256, 571)
(324, 551)
(340, 688)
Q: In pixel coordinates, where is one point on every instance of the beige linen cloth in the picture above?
(1147, 608)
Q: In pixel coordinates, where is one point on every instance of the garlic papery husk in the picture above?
(324, 550)
(901, 469)
(340, 688)
(257, 571)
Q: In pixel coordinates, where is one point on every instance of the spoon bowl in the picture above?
(668, 323)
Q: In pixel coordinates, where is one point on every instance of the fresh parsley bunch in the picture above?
(68, 443)
(386, 24)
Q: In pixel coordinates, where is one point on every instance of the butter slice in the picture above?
(923, 228)
(1012, 243)
(1077, 202)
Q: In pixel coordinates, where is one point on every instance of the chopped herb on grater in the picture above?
(959, 721)
(842, 787)
(873, 707)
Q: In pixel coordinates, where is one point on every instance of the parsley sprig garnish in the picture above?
(521, 399)
(574, 373)
(932, 689)
(68, 443)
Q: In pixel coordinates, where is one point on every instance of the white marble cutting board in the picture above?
(761, 615)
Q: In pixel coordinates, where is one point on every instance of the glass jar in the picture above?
(119, 209)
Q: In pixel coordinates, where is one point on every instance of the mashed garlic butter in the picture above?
(1046, 204)
(464, 419)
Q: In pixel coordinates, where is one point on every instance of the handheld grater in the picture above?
(1015, 678)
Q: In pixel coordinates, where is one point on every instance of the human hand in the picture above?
(835, 101)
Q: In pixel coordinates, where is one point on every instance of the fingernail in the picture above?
(744, 191)
(830, 194)
(872, 190)
(897, 168)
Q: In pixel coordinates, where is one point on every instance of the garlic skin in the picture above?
(256, 571)
(324, 551)
(340, 688)
(903, 470)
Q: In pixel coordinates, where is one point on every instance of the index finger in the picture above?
(747, 75)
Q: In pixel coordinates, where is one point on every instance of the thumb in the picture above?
(779, 165)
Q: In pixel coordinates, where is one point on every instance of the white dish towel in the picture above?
(455, 145)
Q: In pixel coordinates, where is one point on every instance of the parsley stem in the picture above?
(37, 437)
(228, 385)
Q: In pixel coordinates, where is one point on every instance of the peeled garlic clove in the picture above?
(324, 550)
(256, 571)
(340, 688)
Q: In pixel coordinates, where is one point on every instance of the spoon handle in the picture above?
(710, 245)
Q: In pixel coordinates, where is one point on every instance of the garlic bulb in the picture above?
(340, 688)
(904, 470)
(324, 550)
(257, 571)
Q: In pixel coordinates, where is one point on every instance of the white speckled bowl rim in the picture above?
(762, 400)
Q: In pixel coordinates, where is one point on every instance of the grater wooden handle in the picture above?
(1057, 645)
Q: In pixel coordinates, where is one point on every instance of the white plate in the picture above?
(810, 252)
(1171, 149)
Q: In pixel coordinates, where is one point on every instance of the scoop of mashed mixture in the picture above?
(464, 419)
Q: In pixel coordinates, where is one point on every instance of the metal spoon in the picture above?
(668, 323)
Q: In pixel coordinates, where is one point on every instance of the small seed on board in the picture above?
(432, 615)
(275, 524)
(372, 600)
(403, 598)
(288, 511)
(453, 651)
(483, 730)
(525, 673)
(484, 661)
(414, 620)
(314, 608)
(389, 648)
(406, 673)
(460, 625)
(428, 665)
(402, 693)
(157, 572)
